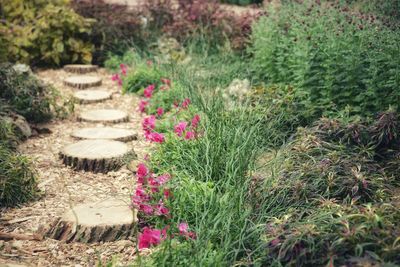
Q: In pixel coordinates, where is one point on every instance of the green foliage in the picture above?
(17, 180)
(335, 59)
(45, 32)
(141, 77)
(166, 99)
(129, 58)
(24, 94)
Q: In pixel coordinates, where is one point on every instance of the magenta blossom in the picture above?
(183, 228)
(141, 172)
(155, 137)
(149, 63)
(142, 105)
(149, 123)
(166, 81)
(167, 193)
(195, 121)
(140, 197)
(160, 111)
(149, 238)
(161, 209)
(162, 179)
(115, 77)
(146, 209)
(190, 135)
(148, 92)
(186, 103)
(180, 128)
(123, 69)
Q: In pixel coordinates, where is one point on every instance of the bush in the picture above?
(45, 32)
(242, 2)
(336, 59)
(141, 77)
(17, 179)
(24, 94)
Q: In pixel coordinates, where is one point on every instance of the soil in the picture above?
(62, 187)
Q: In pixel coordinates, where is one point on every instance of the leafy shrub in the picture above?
(24, 94)
(166, 99)
(141, 77)
(129, 58)
(117, 27)
(335, 59)
(17, 179)
(45, 32)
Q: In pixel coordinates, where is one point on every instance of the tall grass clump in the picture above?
(335, 57)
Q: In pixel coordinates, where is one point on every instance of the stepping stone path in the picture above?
(108, 220)
(82, 81)
(80, 69)
(117, 134)
(104, 116)
(92, 96)
(100, 151)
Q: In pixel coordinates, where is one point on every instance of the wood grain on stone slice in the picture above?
(104, 116)
(80, 68)
(82, 81)
(107, 220)
(92, 96)
(109, 133)
(94, 155)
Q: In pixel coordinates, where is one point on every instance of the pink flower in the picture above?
(185, 103)
(160, 111)
(120, 82)
(149, 238)
(141, 172)
(149, 123)
(195, 121)
(162, 179)
(142, 105)
(176, 104)
(123, 69)
(167, 193)
(190, 135)
(155, 137)
(148, 92)
(149, 63)
(161, 209)
(140, 197)
(115, 77)
(166, 81)
(147, 209)
(183, 228)
(180, 128)
(153, 185)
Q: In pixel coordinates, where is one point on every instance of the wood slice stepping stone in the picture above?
(92, 96)
(80, 68)
(108, 220)
(104, 116)
(82, 81)
(94, 155)
(109, 133)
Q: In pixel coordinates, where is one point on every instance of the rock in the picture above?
(20, 124)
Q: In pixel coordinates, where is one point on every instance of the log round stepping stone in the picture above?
(92, 96)
(82, 81)
(109, 133)
(80, 68)
(107, 220)
(104, 116)
(94, 155)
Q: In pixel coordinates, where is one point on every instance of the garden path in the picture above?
(64, 187)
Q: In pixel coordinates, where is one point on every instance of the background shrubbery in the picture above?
(41, 32)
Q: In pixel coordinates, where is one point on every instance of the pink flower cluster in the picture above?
(116, 77)
(181, 129)
(148, 124)
(147, 184)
